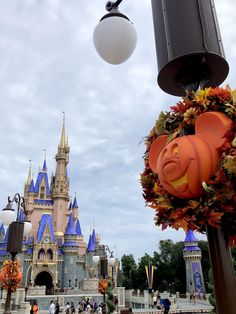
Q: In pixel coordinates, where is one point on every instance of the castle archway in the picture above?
(44, 279)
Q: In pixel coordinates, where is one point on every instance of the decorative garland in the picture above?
(217, 205)
(10, 275)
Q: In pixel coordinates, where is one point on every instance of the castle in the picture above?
(54, 253)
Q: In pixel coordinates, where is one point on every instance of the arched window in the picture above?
(41, 254)
(49, 254)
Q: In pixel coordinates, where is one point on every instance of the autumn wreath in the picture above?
(102, 286)
(215, 202)
(10, 275)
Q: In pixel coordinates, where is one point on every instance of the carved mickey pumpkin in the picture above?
(184, 163)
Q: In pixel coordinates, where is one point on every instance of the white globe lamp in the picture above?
(115, 37)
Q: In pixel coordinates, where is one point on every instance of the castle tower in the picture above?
(60, 186)
(192, 256)
(70, 251)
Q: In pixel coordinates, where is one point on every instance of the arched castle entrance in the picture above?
(44, 278)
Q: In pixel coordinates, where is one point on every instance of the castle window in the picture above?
(42, 192)
(41, 254)
(75, 282)
(49, 254)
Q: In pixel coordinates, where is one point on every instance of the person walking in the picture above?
(52, 308)
(67, 309)
(57, 309)
(166, 305)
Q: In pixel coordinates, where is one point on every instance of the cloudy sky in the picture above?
(48, 65)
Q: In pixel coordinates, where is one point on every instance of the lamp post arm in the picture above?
(20, 201)
(112, 5)
(106, 246)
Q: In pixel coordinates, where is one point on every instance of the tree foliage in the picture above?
(169, 268)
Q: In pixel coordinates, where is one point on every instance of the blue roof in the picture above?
(4, 253)
(75, 203)
(70, 229)
(44, 165)
(29, 250)
(70, 243)
(91, 244)
(94, 237)
(59, 252)
(192, 248)
(31, 187)
(46, 220)
(190, 237)
(43, 202)
(78, 228)
(42, 176)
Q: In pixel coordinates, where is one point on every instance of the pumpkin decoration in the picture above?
(186, 162)
(189, 177)
(10, 275)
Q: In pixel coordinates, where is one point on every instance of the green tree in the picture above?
(142, 281)
(129, 270)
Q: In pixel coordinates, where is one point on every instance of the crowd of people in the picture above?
(85, 306)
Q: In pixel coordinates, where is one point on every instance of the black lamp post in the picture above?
(189, 55)
(16, 231)
(26, 291)
(103, 267)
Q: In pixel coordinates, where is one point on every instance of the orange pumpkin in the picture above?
(186, 162)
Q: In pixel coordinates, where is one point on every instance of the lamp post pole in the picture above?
(16, 231)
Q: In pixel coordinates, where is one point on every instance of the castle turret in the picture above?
(60, 190)
(192, 256)
(70, 251)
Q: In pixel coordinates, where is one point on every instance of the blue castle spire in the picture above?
(42, 175)
(78, 228)
(75, 203)
(70, 229)
(190, 237)
(31, 188)
(91, 243)
(44, 165)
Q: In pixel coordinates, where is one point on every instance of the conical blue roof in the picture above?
(31, 188)
(91, 244)
(42, 175)
(78, 228)
(75, 203)
(94, 237)
(44, 165)
(190, 237)
(70, 229)
(46, 220)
